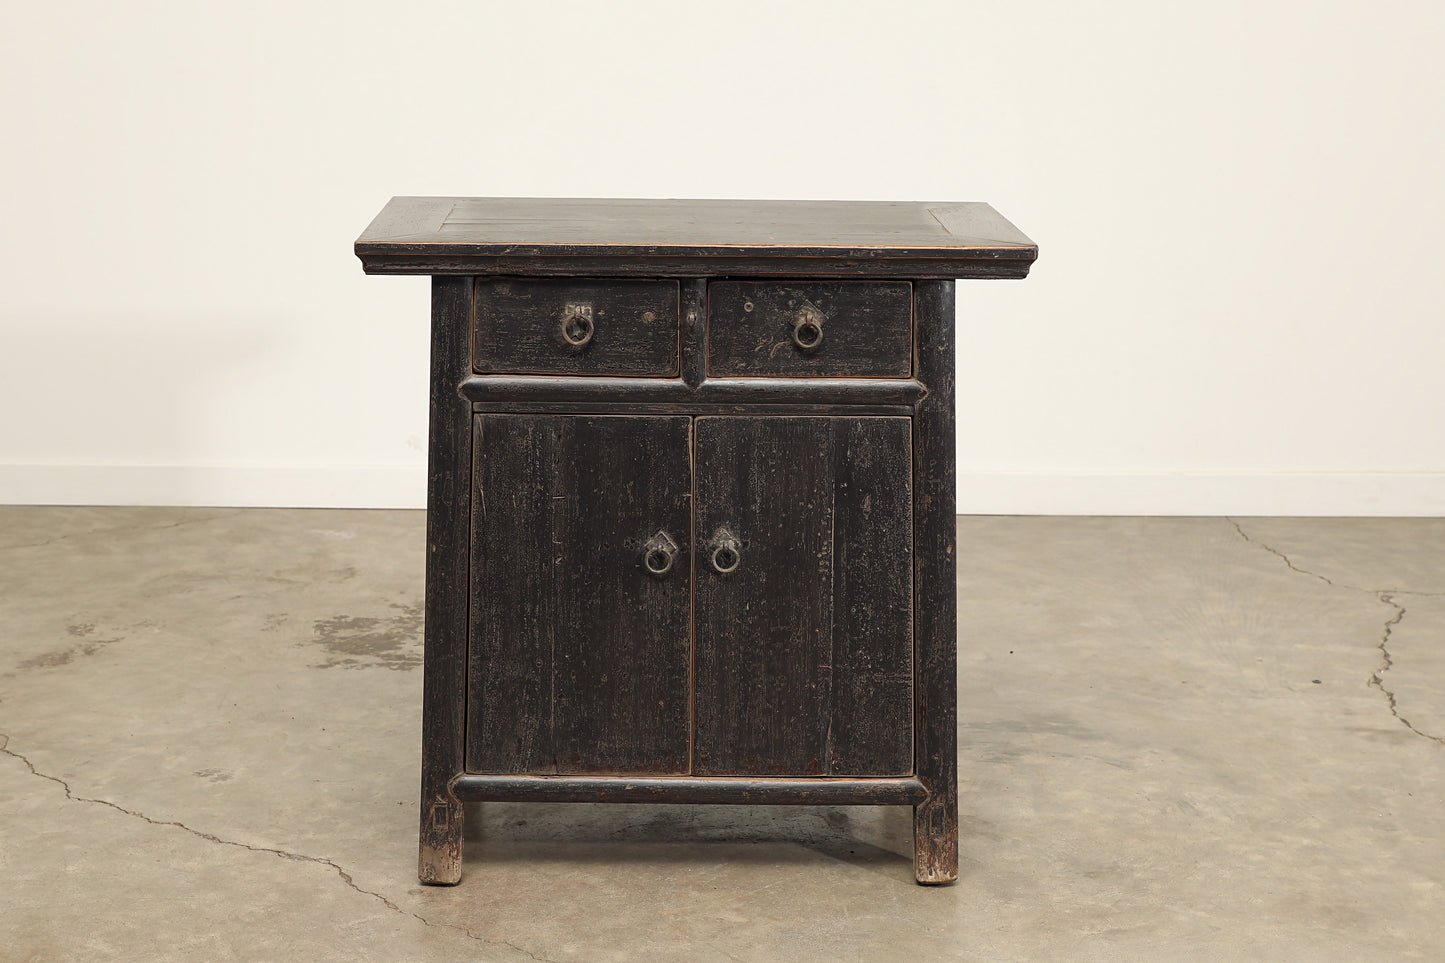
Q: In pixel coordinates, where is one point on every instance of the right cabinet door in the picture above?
(804, 596)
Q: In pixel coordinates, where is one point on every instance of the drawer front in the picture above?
(575, 327)
(854, 329)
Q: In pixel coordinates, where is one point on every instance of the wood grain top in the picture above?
(444, 235)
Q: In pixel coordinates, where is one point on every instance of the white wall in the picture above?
(1237, 308)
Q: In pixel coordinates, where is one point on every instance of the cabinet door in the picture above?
(578, 653)
(804, 649)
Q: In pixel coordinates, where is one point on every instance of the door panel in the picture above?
(578, 655)
(804, 650)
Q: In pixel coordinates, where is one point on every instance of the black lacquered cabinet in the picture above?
(690, 507)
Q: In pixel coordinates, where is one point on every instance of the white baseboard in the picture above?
(1203, 493)
(288, 486)
(979, 493)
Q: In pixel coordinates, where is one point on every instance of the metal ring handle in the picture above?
(658, 554)
(726, 553)
(808, 330)
(577, 325)
(658, 561)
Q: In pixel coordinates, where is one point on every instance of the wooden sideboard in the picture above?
(690, 531)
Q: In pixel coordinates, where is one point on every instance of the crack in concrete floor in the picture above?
(1377, 677)
(1384, 596)
(283, 854)
(1192, 853)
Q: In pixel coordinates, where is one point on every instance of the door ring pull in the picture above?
(726, 552)
(658, 554)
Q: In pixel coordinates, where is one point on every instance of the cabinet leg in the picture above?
(935, 839)
(440, 857)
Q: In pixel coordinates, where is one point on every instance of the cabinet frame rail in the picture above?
(781, 791)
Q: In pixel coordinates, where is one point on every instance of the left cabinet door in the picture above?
(581, 570)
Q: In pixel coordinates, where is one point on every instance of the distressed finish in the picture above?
(690, 528)
(839, 391)
(935, 752)
(630, 327)
(687, 238)
(579, 653)
(804, 648)
(810, 329)
(792, 791)
(445, 631)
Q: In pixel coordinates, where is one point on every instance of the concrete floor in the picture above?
(1181, 739)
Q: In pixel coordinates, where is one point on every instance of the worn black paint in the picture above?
(793, 791)
(866, 329)
(836, 391)
(445, 628)
(804, 651)
(690, 238)
(519, 321)
(935, 821)
(579, 657)
(844, 639)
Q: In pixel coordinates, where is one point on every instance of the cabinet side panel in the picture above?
(802, 667)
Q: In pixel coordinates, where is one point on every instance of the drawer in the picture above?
(802, 329)
(568, 326)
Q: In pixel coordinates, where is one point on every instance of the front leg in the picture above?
(440, 858)
(935, 838)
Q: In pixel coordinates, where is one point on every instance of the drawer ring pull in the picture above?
(808, 330)
(726, 553)
(658, 554)
(577, 325)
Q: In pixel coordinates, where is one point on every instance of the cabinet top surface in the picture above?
(432, 235)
